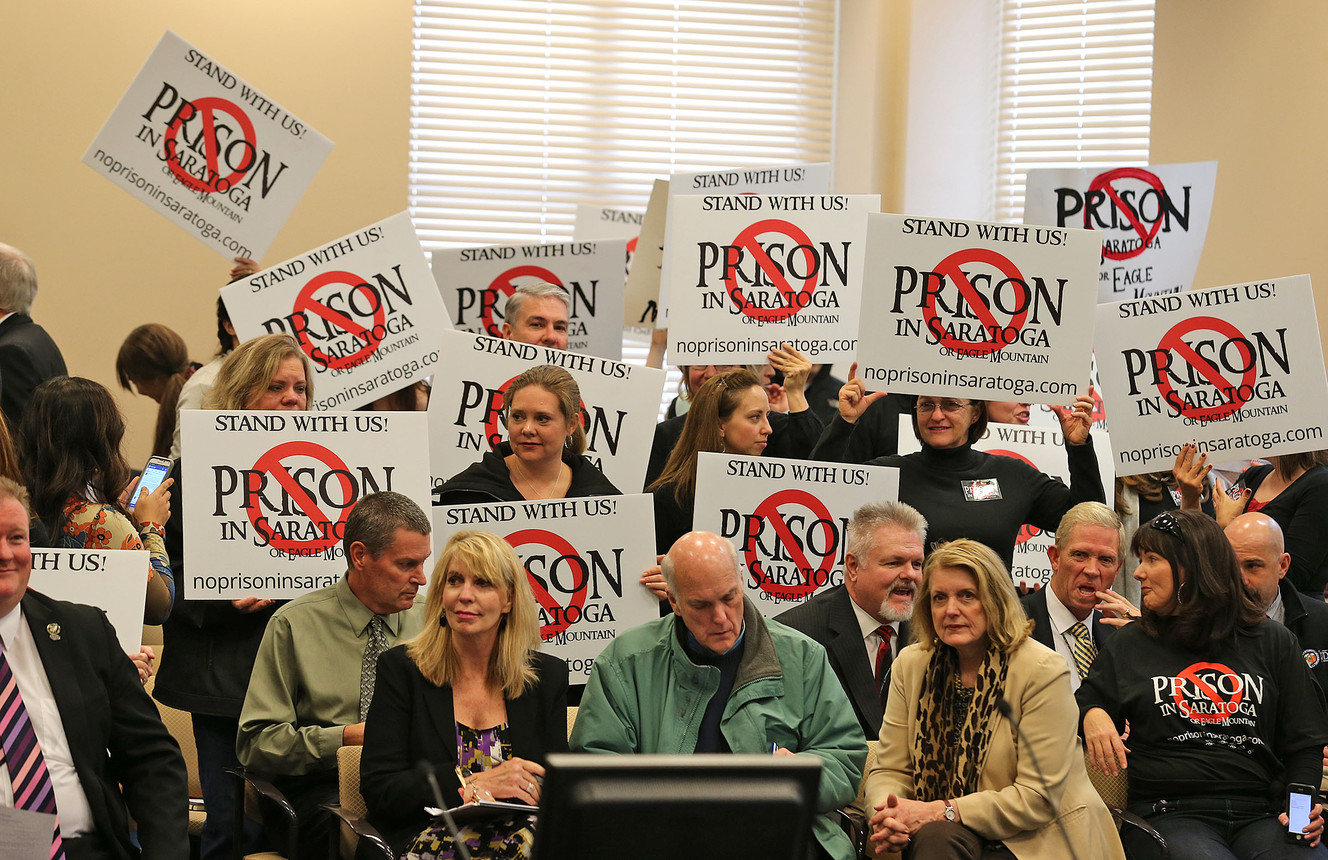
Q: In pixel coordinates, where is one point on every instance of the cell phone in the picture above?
(153, 474)
(1300, 800)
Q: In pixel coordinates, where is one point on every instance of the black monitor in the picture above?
(665, 807)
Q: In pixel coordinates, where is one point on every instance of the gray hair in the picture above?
(18, 280)
(375, 519)
(869, 519)
(542, 290)
(666, 565)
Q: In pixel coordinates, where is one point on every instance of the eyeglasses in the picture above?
(1167, 524)
(949, 407)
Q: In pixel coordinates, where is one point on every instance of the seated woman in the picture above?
(471, 692)
(69, 447)
(543, 456)
(955, 776)
(1222, 709)
(155, 360)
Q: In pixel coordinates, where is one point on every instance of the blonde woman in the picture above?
(472, 693)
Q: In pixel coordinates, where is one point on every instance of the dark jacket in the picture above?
(875, 434)
(411, 719)
(1308, 619)
(28, 357)
(1035, 607)
(792, 436)
(489, 480)
(1301, 510)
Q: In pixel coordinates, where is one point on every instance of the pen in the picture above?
(465, 781)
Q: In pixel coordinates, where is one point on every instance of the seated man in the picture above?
(79, 737)
(864, 622)
(715, 676)
(314, 676)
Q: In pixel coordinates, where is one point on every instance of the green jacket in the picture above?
(646, 696)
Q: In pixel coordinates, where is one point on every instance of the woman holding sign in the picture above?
(210, 645)
(543, 457)
(474, 697)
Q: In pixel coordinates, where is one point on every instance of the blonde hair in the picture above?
(563, 387)
(1007, 625)
(518, 632)
(1090, 514)
(250, 367)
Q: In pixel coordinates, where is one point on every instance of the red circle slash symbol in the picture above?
(562, 614)
(1172, 341)
(794, 299)
(306, 303)
(1102, 182)
(206, 111)
(812, 577)
(1027, 530)
(1222, 707)
(272, 464)
(950, 268)
(504, 285)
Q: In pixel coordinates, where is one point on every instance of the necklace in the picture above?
(547, 494)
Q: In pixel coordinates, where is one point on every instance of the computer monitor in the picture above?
(665, 807)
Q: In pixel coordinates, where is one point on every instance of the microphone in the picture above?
(1007, 711)
(426, 768)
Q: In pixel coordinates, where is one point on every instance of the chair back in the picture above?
(181, 726)
(1114, 790)
(571, 721)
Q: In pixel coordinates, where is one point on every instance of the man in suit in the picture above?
(101, 753)
(314, 675)
(28, 356)
(1089, 550)
(864, 622)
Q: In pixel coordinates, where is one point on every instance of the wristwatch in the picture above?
(951, 814)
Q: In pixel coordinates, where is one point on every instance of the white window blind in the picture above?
(1076, 89)
(521, 109)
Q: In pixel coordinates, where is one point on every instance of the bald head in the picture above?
(705, 587)
(1261, 551)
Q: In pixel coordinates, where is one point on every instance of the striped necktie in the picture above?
(31, 783)
(373, 649)
(1082, 648)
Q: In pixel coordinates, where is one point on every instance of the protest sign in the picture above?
(1043, 448)
(363, 309)
(1152, 220)
(1237, 370)
(268, 493)
(641, 299)
(788, 519)
(752, 271)
(619, 405)
(210, 153)
(972, 309)
(113, 580)
(584, 558)
(477, 282)
(602, 222)
(788, 179)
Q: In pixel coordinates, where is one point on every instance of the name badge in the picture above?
(982, 490)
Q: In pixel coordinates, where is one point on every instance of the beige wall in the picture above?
(107, 263)
(1246, 83)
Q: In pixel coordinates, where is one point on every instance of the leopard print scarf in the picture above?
(941, 768)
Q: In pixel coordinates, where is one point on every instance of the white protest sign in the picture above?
(584, 557)
(1238, 370)
(476, 283)
(641, 298)
(113, 580)
(788, 519)
(619, 405)
(268, 499)
(1152, 220)
(203, 148)
(972, 309)
(751, 271)
(603, 222)
(363, 308)
(1043, 448)
(787, 179)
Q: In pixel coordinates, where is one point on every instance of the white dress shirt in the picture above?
(871, 640)
(1062, 620)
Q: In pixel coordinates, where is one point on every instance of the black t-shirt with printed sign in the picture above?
(1242, 721)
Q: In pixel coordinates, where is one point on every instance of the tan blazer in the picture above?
(1011, 802)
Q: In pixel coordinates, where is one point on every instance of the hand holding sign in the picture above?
(1076, 421)
(795, 367)
(1190, 471)
(853, 396)
(1226, 508)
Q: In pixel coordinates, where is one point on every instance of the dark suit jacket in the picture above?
(127, 762)
(1035, 607)
(411, 719)
(1308, 619)
(829, 619)
(28, 357)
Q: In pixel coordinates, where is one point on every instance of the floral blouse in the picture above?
(92, 525)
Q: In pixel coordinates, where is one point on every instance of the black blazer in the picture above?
(127, 762)
(411, 719)
(1035, 607)
(829, 619)
(28, 357)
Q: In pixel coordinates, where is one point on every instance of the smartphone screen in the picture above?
(1298, 812)
(153, 474)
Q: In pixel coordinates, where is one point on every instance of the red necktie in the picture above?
(885, 631)
(23, 757)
